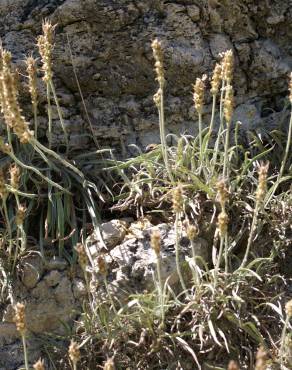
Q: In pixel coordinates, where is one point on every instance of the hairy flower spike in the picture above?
(261, 359)
(262, 182)
(192, 232)
(228, 104)
(227, 66)
(9, 102)
(32, 79)
(223, 223)
(109, 364)
(3, 190)
(156, 241)
(177, 199)
(158, 56)
(216, 79)
(20, 215)
(19, 318)
(233, 365)
(199, 93)
(14, 176)
(45, 45)
(39, 365)
(102, 265)
(288, 309)
(74, 352)
(222, 192)
(82, 256)
(4, 147)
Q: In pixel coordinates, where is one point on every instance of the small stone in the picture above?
(194, 12)
(79, 288)
(8, 333)
(31, 271)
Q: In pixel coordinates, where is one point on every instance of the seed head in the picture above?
(227, 66)
(233, 365)
(82, 256)
(20, 215)
(32, 79)
(222, 192)
(3, 190)
(262, 181)
(102, 265)
(156, 241)
(288, 309)
(19, 318)
(74, 352)
(39, 365)
(199, 93)
(192, 232)
(14, 176)
(223, 223)
(228, 104)
(45, 45)
(177, 199)
(216, 79)
(9, 101)
(261, 359)
(109, 364)
(158, 56)
(4, 147)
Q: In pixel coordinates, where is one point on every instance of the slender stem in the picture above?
(251, 235)
(109, 295)
(35, 118)
(161, 296)
(219, 259)
(200, 139)
(196, 277)
(59, 113)
(177, 238)
(283, 337)
(25, 352)
(226, 252)
(225, 164)
(49, 115)
(7, 225)
(212, 121)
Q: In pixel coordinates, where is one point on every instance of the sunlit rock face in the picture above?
(110, 41)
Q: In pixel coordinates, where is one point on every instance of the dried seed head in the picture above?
(74, 352)
(20, 215)
(4, 147)
(156, 241)
(39, 365)
(14, 176)
(233, 365)
(177, 199)
(158, 56)
(222, 192)
(288, 308)
(216, 79)
(192, 232)
(228, 104)
(102, 265)
(82, 256)
(109, 364)
(45, 45)
(262, 181)
(9, 102)
(19, 318)
(199, 93)
(32, 79)
(290, 88)
(223, 223)
(3, 190)
(157, 97)
(261, 359)
(227, 66)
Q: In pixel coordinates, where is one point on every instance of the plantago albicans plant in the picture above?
(74, 354)
(19, 319)
(156, 246)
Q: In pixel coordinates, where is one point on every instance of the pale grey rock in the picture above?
(56, 263)
(53, 278)
(31, 271)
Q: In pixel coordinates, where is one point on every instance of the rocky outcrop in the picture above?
(110, 43)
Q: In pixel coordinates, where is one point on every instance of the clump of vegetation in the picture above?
(224, 313)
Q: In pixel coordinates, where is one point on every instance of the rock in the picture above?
(53, 278)
(8, 333)
(134, 260)
(79, 289)
(110, 42)
(32, 270)
(56, 263)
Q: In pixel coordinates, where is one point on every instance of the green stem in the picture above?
(251, 234)
(35, 118)
(283, 337)
(7, 225)
(161, 295)
(177, 238)
(109, 295)
(226, 162)
(218, 259)
(49, 115)
(226, 252)
(25, 352)
(196, 275)
(212, 121)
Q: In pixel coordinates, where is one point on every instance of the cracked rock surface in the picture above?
(110, 42)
